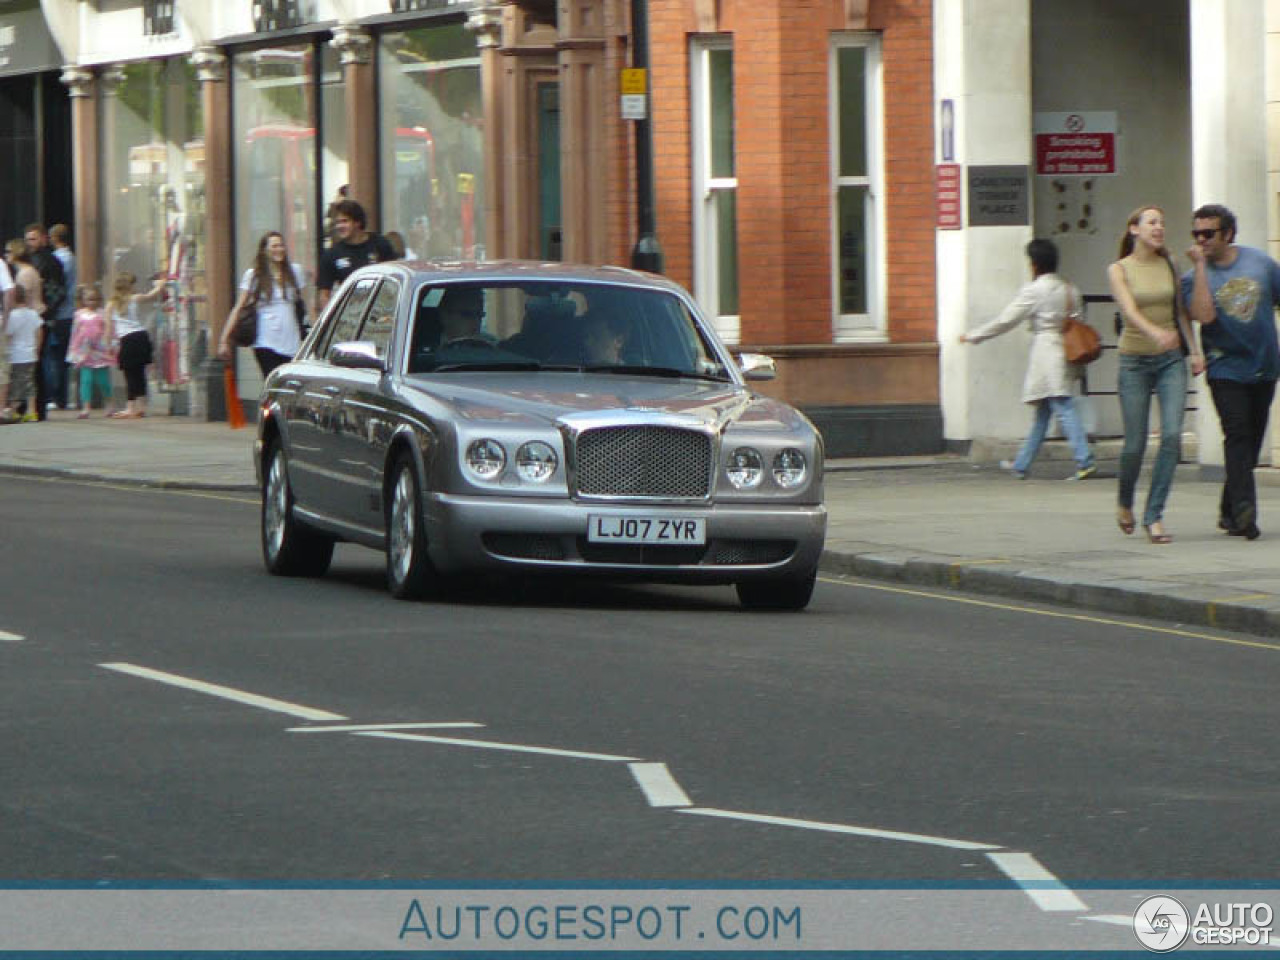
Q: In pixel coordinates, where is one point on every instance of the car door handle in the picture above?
(331, 390)
(291, 384)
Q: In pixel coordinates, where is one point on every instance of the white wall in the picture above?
(982, 63)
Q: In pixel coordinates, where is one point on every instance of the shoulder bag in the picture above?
(244, 329)
(1080, 342)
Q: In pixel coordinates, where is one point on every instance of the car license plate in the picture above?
(610, 528)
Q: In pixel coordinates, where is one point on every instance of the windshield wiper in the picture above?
(641, 370)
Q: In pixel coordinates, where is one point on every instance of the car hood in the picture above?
(549, 398)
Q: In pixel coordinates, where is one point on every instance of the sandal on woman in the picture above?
(1156, 533)
(1124, 520)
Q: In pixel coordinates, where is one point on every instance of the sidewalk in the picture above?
(937, 521)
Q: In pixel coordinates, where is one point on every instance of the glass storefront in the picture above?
(273, 95)
(431, 134)
(154, 202)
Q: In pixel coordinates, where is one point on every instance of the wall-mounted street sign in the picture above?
(1076, 144)
(998, 196)
(633, 83)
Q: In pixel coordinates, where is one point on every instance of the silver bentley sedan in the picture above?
(537, 419)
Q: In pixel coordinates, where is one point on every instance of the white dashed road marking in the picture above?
(490, 745)
(840, 828)
(361, 727)
(226, 693)
(10, 637)
(660, 788)
(1048, 892)
(654, 779)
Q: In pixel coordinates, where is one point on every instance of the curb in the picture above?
(158, 483)
(1133, 597)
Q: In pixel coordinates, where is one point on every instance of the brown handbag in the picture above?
(1081, 343)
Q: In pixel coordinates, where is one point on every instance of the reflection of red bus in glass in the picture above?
(280, 177)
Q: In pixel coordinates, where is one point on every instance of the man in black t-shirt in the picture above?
(353, 247)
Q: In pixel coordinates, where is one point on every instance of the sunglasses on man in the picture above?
(1208, 234)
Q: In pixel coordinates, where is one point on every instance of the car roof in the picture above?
(435, 271)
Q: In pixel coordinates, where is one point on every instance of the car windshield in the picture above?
(592, 327)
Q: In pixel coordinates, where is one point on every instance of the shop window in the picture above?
(153, 203)
(275, 152)
(432, 141)
(855, 165)
(715, 184)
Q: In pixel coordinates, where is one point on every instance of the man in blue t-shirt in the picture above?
(1232, 292)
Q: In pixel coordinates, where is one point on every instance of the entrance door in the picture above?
(550, 246)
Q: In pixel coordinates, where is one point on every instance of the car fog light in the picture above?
(486, 458)
(789, 468)
(536, 461)
(745, 468)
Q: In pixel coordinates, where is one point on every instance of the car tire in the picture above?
(410, 575)
(780, 593)
(289, 548)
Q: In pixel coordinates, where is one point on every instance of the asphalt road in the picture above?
(622, 733)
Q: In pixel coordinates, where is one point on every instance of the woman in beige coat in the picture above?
(1045, 304)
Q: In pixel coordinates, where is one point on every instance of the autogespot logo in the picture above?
(1161, 924)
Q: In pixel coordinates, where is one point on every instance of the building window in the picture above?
(432, 136)
(855, 166)
(715, 185)
(157, 17)
(271, 15)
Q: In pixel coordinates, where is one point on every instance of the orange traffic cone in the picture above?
(235, 413)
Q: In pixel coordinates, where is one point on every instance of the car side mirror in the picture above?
(757, 366)
(357, 355)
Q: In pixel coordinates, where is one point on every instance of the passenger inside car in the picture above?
(603, 340)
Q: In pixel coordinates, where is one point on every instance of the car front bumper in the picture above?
(743, 541)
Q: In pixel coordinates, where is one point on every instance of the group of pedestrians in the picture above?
(56, 328)
(1230, 293)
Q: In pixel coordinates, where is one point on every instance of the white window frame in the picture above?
(850, 327)
(706, 239)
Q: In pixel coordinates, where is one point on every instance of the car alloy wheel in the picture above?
(409, 572)
(289, 549)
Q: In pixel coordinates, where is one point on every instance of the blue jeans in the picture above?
(1164, 375)
(1065, 410)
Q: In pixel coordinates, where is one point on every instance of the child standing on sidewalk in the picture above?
(26, 331)
(90, 348)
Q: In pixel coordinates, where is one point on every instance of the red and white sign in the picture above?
(1076, 144)
(948, 196)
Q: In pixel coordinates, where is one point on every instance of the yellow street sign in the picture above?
(633, 81)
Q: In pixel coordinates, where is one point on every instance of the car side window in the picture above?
(380, 322)
(347, 322)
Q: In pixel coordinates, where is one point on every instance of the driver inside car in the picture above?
(461, 318)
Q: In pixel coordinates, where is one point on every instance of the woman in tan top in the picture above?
(1144, 285)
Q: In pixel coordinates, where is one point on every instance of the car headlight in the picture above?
(745, 468)
(789, 468)
(536, 461)
(486, 458)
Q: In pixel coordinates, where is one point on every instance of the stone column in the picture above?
(219, 245)
(583, 158)
(82, 85)
(486, 24)
(355, 47)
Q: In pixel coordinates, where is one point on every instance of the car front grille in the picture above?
(644, 461)
(736, 553)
